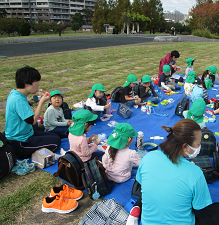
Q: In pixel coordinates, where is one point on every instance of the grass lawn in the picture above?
(74, 73)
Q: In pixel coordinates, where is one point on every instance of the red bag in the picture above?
(156, 81)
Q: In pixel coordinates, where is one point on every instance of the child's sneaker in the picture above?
(58, 204)
(134, 216)
(62, 151)
(135, 106)
(66, 192)
(210, 112)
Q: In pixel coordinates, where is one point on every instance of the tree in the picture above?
(77, 18)
(25, 28)
(41, 26)
(75, 26)
(137, 7)
(88, 14)
(3, 13)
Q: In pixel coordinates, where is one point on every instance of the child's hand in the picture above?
(69, 123)
(169, 89)
(147, 89)
(45, 97)
(107, 106)
(97, 141)
(92, 137)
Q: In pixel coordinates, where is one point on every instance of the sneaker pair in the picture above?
(22, 167)
(62, 199)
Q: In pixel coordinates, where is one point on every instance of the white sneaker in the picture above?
(62, 151)
(135, 106)
(80, 104)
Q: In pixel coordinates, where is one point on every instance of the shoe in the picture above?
(22, 167)
(66, 192)
(62, 151)
(177, 88)
(134, 216)
(135, 106)
(58, 204)
(80, 104)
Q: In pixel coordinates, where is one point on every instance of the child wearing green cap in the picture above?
(146, 90)
(210, 73)
(164, 81)
(196, 112)
(189, 83)
(200, 91)
(118, 158)
(127, 94)
(190, 63)
(54, 120)
(95, 102)
(80, 144)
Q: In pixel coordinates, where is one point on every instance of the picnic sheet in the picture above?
(151, 126)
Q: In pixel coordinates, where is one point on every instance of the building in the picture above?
(45, 10)
(174, 16)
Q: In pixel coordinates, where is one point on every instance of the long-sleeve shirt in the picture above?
(80, 145)
(94, 104)
(144, 95)
(188, 69)
(165, 61)
(54, 118)
(199, 92)
(120, 170)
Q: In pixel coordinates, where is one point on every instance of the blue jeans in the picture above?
(130, 103)
(62, 131)
(152, 99)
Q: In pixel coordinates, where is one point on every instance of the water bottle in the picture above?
(149, 107)
(140, 140)
(109, 110)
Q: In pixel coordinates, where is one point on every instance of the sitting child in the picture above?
(210, 73)
(127, 94)
(118, 158)
(190, 62)
(95, 102)
(83, 121)
(196, 112)
(164, 83)
(189, 83)
(200, 91)
(54, 120)
(147, 90)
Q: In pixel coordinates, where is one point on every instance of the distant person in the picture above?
(173, 31)
(190, 62)
(20, 118)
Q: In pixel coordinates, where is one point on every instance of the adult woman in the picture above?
(171, 185)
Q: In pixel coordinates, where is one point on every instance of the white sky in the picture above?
(181, 6)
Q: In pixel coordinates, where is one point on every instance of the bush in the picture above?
(185, 33)
(206, 34)
(197, 32)
(25, 29)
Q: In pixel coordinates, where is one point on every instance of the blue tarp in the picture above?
(151, 126)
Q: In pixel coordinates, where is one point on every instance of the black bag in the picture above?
(208, 143)
(182, 106)
(124, 111)
(66, 111)
(136, 189)
(216, 161)
(7, 156)
(94, 177)
(70, 168)
(116, 95)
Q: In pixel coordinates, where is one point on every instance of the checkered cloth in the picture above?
(107, 212)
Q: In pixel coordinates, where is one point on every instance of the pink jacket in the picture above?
(163, 62)
(120, 170)
(80, 145)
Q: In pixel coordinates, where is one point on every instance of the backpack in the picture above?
(66, 111)
(7, 156)
(208, 143)
(70, 168)
(116, 95)
(182, 106)
(95, 179)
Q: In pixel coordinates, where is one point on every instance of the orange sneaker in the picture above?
(66, 192)
(58, 204)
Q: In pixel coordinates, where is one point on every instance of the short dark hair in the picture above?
(184, 131)
(175, 53)
(26, 75)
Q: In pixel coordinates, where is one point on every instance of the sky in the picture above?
(181, 6)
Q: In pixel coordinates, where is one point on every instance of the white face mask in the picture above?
(196, 152)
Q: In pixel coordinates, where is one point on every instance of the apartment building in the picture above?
(45, 10)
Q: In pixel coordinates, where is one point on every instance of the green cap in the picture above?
(190, 79)
(208, 84)
(95, 87)
(166, 69)
(120, 135)
(213, 69)
(55, 92)
(131, 78)
(146, 78)
(79, 118)
(192, 74)
(189, 61)
(197, 110)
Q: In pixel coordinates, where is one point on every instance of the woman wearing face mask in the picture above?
(171, 186)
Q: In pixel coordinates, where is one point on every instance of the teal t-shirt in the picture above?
(17, 110)
(169, 191)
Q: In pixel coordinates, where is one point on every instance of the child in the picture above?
(95, 102)
(170, 59)
(196, 112)
(127, 94)
(200, 91)
(163, 83)
(147, 90)
(118, 158)
(190, 62)
(210, 73)
(83, 120)
(189, 83)
(54, 120)
(20, 118)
